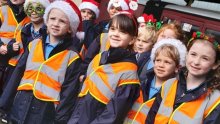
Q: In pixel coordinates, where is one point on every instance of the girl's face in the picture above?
(86, 14)
(17, 2)
(119, 38)
(164, 67)
(113, 10)
(35, 12)
(167, 33)
(200, 59)
(58, 26)
(142, 45)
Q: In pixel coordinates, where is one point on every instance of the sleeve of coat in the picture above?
(213, 117)
(153, 110)
(117, 109)
(11, 52)
(69, 93)
(93, 50)
(10, 90)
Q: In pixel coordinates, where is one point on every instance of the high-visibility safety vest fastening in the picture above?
(192, 112)
(10, 27)
(102, 80)
(139, 111)
(45, 77)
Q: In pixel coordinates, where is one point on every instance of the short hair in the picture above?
(149, 33)
(168, 51)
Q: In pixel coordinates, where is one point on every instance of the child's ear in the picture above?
(69, 31)
(132, 41)
(177, 69)
(217, 64)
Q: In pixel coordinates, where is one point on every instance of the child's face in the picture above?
(167, 33)
(35, 12)
(164, 67)
(58, 26)
(113, 10)
(142, 44)
(118, 38)
(200, 59)
(17, 2)
(86, 14)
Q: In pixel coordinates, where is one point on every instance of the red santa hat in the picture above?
(124, 4)
(70, 9)
(45, 3)
(90, 4)
(146, 18)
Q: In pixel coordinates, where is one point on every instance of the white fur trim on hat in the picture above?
(68, 10)
(45, 3)
(174, 42)
(88, 5)
(121, 3)
(140, 19)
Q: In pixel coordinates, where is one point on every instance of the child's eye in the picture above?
(52, 18)
(205, 58)
(193, 54)
(112, 28)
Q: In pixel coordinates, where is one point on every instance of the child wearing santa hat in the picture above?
(47, 73)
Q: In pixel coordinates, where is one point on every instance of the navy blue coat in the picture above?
(90, 111)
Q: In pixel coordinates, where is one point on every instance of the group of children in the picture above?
(126, 72)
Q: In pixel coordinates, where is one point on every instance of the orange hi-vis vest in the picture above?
(14, 60)
(192, 112)
(139, 111)
(102, 80)
(10, 27)
(104, 45)
(45, 77)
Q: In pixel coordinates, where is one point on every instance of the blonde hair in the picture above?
(149, 33)
(168, 51)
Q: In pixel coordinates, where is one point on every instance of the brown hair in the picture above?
(126, 22)
(168, 51)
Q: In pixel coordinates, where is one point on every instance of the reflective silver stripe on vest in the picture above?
(103, 42)
(47, 90)
(164, 110)
(25, 81)
(113, 78)
(5, 27)
(199, 116)
(57, 75)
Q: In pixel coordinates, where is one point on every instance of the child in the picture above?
(168, 56)
(101, 43)
(171, 30)
(190, 98)
(12, 19)
(48, 71)
(143, 45)
(34, 10)
(89, 12)
(112, 85)
(35, 29)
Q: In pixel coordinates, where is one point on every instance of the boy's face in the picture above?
(58, 26)
(164, 67)
(86, 14)
(113, 10)
(35, 12)
(17, 2)
(143, 45)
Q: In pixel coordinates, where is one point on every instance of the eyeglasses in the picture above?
(38, 9)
